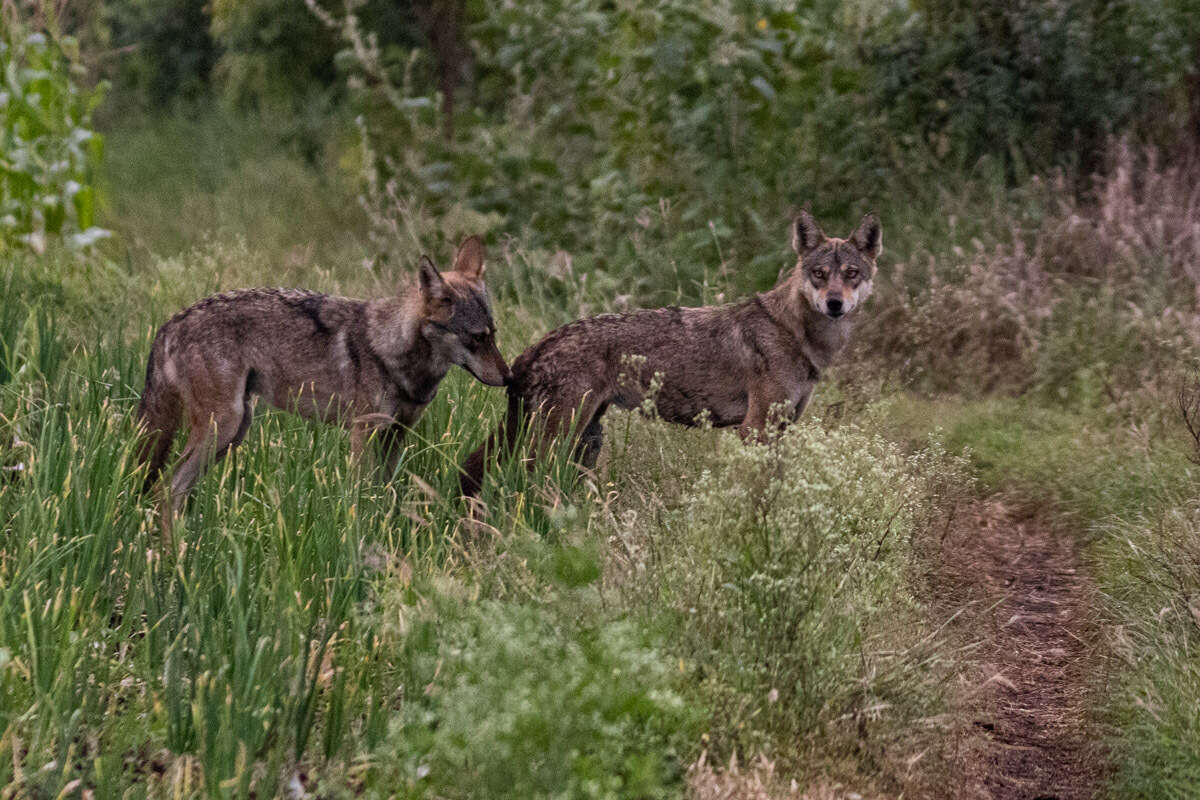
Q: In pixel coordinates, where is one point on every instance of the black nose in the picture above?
(834, 305)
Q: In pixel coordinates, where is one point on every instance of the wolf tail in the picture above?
(471, 479)
(159, 413)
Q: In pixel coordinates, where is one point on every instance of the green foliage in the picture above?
(588, 126)
(1030, 83)
(234, 176)
(588, 123)
(571, 711)
(166, 52)
(783, 572)
(1152, 582)
(271, 51)
(48, 154)
(265, 639)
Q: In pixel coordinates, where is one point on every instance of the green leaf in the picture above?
(764, 88)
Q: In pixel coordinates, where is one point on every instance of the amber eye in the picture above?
(819, 274)
(852, 273)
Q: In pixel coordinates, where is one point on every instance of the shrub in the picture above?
(785, 570)
(271, 52)
(504, 700)
(166, 51)
(48, 154)
(588, 124)
(1081, 298)
(1030, 83)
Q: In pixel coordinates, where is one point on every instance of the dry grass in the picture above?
(758, 780)
(981, 320)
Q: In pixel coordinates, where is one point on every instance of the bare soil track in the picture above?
(1023, 602)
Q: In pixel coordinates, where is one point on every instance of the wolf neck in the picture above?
(820, 337)
(394, 333)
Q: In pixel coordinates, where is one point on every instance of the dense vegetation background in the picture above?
(322, 631)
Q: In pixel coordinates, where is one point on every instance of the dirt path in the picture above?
(1024, 602)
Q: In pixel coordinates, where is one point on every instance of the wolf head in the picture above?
(836, 273)
(458, 315)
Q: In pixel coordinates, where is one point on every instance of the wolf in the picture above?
(740, 364)
(371, 365)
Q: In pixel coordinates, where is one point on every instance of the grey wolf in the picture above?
(370, 365)
(738, 364)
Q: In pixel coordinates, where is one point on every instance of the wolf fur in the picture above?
(736, 365)
(371, 365)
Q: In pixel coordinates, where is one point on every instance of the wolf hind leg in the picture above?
(569, 418)
(212, 436)
(547, 425)
(591, 439)
(471, 471)
(159, 416)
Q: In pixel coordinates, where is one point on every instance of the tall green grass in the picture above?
(1119, 473)
(318, 624)
(315, 623)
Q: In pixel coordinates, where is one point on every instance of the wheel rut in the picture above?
(1021, 600)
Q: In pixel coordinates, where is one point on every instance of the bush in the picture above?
(1083, 298)
(48, 154)
(588, 125)
(166, 51)
(503, 700)
(271, 52)
(785, 571)
(1030, 83)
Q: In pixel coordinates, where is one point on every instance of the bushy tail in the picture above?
(471, 479)
(159, 415)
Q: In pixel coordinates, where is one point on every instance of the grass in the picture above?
(319, 621)
(691, 600)
(1125, 482)
(321, 627)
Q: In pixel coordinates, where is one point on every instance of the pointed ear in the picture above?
(806, 233)
(868, 238)
(433, 286)
(470, 258)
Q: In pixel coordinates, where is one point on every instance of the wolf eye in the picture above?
(852, 273)
(819, 274)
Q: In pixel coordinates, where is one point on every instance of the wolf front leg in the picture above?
(379, 430)
(212, 436)
(765, 403)
(391, 445)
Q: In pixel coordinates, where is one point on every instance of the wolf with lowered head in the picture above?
(371, 365)
(735, 365)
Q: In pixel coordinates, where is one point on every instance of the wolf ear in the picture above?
(869, 237)
(806, 233)
(470, 258)
(433, 285)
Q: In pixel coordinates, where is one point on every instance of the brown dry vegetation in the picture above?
(1123, 259)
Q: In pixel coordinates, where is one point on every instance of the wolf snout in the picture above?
(835, 306)
(491, 369)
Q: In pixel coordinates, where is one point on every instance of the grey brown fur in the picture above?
(371, 365)
(737, 364)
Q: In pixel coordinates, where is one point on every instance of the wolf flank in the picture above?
(737, 365)
(370, 365)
